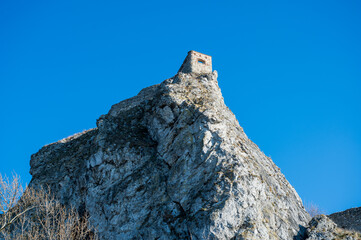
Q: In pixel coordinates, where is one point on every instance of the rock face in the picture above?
(320, 227)
(172, 163)
(349, 219)
(323, 228)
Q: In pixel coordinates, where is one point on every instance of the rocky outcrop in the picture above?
(320, 227)
(172, 163)
(323, 228)
(349, 219)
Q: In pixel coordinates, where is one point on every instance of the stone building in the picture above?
(197, 63)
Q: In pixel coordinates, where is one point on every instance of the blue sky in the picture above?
(289, 70)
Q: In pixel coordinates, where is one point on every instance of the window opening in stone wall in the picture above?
(201, 61)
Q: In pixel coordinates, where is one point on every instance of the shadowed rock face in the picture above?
(172, 163)
(349, 219)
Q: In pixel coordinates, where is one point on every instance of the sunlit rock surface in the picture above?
(323, 228)
(172, 163)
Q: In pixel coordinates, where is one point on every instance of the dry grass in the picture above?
(74, 136)
(343, 234)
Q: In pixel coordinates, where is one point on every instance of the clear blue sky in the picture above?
(289, 70)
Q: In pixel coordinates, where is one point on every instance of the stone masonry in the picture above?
(197, 63)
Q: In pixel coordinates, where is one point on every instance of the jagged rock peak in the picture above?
(172, 163)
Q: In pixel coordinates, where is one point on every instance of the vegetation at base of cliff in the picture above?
(313, 209)
(36, 214)
(347, 234)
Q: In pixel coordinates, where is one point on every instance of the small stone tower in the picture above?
(197, 63)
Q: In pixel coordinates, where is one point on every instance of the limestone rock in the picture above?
(323, 228)
(172, 163)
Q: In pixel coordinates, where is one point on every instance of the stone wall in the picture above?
(197, 63)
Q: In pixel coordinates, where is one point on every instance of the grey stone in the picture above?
(323, 228)
(172, 163)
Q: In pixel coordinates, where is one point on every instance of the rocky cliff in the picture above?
(172, 163)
